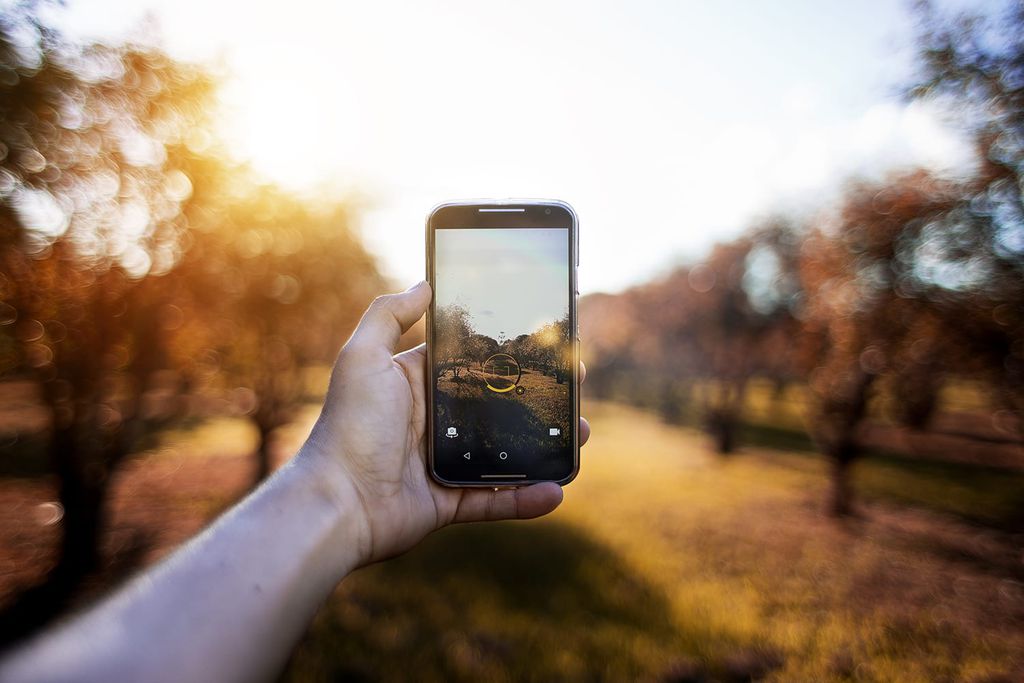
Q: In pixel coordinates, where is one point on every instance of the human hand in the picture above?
(370, 440)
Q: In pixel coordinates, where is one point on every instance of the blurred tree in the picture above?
(920, 277)
(272, 283)
(90, 218)
(737, 321)
(129, 246)
(607, 321)
(889, 306)
(706, 329)
(724, 328)
(972, 67)
(902, 284)
(862, 299)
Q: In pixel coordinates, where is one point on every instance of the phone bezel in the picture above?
(467, 214)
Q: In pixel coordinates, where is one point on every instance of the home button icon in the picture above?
(503, 455)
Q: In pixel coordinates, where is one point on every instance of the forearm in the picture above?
(228, 606)
(231, 604)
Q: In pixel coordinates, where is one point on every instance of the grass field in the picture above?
(519, 422)
(542, 395)
(667, 563)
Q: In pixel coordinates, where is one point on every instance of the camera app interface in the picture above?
(502, 353)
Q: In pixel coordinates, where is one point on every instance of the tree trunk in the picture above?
(263, 464)
(721, 423)
(724, 414)
(726, 443)
(917, 399)
(841, 498)
(670, 406)
(83, 494)
(842, 415)
(725, 433)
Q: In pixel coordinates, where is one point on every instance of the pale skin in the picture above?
(232, 604)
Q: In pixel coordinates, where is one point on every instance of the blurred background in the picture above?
(803, 316)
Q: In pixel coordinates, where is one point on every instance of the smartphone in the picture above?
(502, 344)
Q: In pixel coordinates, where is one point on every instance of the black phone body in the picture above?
(502, 343)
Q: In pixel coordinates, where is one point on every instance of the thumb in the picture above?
(389, 316)
(477, 505)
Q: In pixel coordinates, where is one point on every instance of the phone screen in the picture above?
(503, 354)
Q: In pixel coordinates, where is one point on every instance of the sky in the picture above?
(511, 281)
(669, 126)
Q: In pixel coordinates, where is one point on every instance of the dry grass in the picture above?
(524, 418)
(543, 396)
(666, 563)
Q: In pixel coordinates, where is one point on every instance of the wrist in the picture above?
(328, 480)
